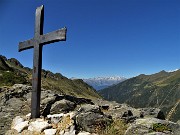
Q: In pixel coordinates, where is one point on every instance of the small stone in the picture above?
(55, 118)
(16, 120)
(38, 126)
(21, 126)
(72, 128)
(70, 133)
(84, 133)
(72, 114)
(11, 132)
(28, 115)
(50, 131)
(61, 132)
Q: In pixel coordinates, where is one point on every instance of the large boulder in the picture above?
(92, 122)
(89, 108)
(152, 112)
(153, 125)
(62, 106)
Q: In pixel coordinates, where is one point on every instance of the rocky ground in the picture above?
(68, 115)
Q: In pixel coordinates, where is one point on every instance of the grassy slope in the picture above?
(158, 90)
(11, 73)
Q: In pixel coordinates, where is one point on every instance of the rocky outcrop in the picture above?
(68, 115)
(15, 62)
(16, 100)
(3, 64)
(153, 126)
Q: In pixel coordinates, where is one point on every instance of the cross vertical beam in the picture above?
(37, 64)
(37, 43)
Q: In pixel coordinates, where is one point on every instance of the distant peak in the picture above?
(173, 70)
(109, 77)
(163, 71)
(15, 62)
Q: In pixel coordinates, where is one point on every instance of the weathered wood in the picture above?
(37, 43)
(55, 36)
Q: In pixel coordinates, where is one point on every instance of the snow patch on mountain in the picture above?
(173, 70)
(103, 82)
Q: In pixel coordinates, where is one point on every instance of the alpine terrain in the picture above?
(70, 107)
(103, 82)
(160, 90)
(13, 72)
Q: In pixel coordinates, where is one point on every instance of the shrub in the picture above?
(11, 78)
(118, 127)
(158, 127)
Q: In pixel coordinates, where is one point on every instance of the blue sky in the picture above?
(104, 37)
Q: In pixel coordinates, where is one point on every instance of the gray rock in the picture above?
(146, 126)
(136, 130)
(62, 106)
(89, 108)
(92, 122)
(153, 112)
(158, 133)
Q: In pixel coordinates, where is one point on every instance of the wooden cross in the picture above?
(37, 43)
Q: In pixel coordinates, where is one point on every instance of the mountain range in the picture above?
(13, 72)
(160, 90)
(103, 82)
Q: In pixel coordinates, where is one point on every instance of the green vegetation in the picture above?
(160, 127)
(10, 78)
(118, 127)
(161, 90)
(13, 72)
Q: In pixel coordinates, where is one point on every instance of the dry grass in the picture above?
(118, 127)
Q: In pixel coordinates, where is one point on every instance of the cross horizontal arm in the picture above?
(26, 45)
(55, 36)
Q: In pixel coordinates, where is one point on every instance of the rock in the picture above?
(21, 126)
(178, 122)
(48, 100)
(128, 116)
(86, 133)
(38, 126)
(61, 132)
(50, 131)
(27, 132)
(153, 112)
(28, 116)
(15, 62)
(157, 133)
(71, 131)
(89, 108)
(136, 130)
(147, 125)
(55, 118)
(92, 122)
(62, 106)
(17, 120)
(72, 114)
(15, 104)
(11, 132)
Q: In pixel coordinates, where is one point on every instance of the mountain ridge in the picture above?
(103, 82)
(12, 72)
(161, 89)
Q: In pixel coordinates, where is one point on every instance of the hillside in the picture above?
(103, 82)
(69, 115)
(160, 90)
(13, 72)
